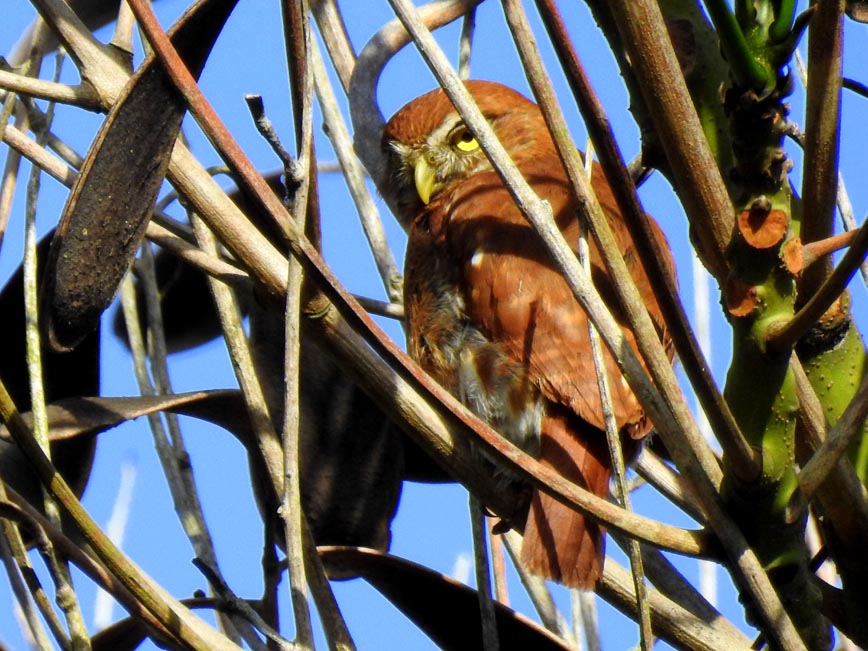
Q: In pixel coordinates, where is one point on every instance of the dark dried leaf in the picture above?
(72, 418)
(64, 375)
(75, 422)
(108, 209)
(858, 10)
(448, 611)
(129, 633)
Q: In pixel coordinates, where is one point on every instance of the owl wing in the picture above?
(517, 297)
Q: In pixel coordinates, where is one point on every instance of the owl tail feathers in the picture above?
(560, 544)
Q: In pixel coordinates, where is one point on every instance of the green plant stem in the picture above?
(745, 68)
(779, 30)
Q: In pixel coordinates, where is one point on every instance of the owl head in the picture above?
(429, 148)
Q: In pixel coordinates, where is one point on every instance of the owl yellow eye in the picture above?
(463, 140)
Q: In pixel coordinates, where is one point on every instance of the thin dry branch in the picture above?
(334, 33)
(194, 632)
(372, 224)
(297, 40)
(697, 178)
(81, 96)
(366, 116)
(25, 583)
(822, 129)
(105, 73)
(825, 296)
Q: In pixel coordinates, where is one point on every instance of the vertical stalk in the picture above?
(822, 127)
(301, 199)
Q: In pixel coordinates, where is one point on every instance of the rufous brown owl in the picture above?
(490, 317)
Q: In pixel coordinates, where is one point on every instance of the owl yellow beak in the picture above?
(426, 180)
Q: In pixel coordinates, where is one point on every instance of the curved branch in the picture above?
(365, 112)
(369, 216)
(337, 41)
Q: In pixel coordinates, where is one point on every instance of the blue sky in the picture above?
(431, 527)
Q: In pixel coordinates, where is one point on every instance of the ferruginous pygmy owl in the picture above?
(490, 317)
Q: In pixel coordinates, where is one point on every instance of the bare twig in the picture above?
(157, 601)
(242, 362)
(40, 156)
(233, 604)
(585, 618)
(380, 308)
(813, 251)
(297, 38)
(106, 73)
(292, 168)
(619, 470)
(22, 578)
(81, 96)
(372, 224)
(696, 175)
(672, 622)
(337, 41)
(170, 447)
(538, 591)
(520, 28)
(670, 484)
(822, 129)
(465, 43)
(338, 635)
(65, 593)
(498, 563)
(219, 268)
(122, 38)
(490, 640)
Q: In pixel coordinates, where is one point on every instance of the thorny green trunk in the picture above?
(760, 289)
